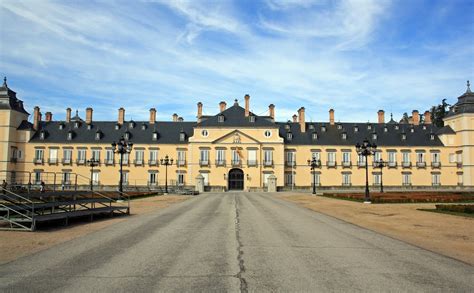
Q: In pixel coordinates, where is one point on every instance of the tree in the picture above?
(439, 112)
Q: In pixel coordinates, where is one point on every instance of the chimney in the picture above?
(331, 116)
(381, 115)
(301, 119)
(247, 105)
(68, 115)
(416, 117)
(271, 111)
(199, 113)
(175, 117)
(180, 119)
(222, 106)
(152, 116)
(295, 118)
(427, 116)
(89, 115)
(49, 117)
(121, 116)
(36, 118)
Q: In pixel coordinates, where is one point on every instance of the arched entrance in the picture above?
(236, 179)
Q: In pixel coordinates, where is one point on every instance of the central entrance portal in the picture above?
(236, 179)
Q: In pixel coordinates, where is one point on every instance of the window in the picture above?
(374, 136)
(265, 179)
(356, 128)
(180, 178)
(346, 179)
(331, 159)
(152, 178)
(420, 157)
(182, 136)
(181, 158)
(435, 160)
(406, 162)
(290, 158)
(205, 133)
(220, 118)
(220, 157)
(252, 157)
(95, 178)
(96, 155)
(377, 179)
(316, 155)
(267, 157)
(460, 179)
(235, 157)
(67, 156)
(289, 136)
(124, 178)
(346, 158)
(66, 178)
(344, 136)
(98, 135)
(125, 158)
(267, 133)
(37, 177)
(204, 158)
(153, 157)
(252, 118)
(155, 135)
(206, 178)
(315, 136)
(139, 155)
(361, 160)
(392, 159)
(436, 179)
(452, 158)
(316, 178)
(109, 157)
(53, 156)
(406, 179)
(81, 156)
(289, 179)
(377, 156)
(39, 156)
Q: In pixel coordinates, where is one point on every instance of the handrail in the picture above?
(15, 211)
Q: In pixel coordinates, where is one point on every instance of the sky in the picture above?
(355, 56)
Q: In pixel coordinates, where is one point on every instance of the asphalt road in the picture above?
(234, 242)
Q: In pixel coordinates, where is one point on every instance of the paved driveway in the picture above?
(235, 242)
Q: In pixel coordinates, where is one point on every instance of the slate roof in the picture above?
(8, 99)
(333, 135)
(465, 103)
(168, 132)
(25, 125)
(235, 117)
(445, 130)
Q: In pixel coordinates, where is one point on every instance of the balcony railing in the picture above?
(406, 184)
(236, 163)
(13, 160)
(152, 163)
(181, 163)
(436, 184)
(81, 161)
(331, 164)
(346, 184)
(435, 164)
(203, 163)
(268, 163)
(109, 162)
(392, 164)
(346, 164)
(152, 183)
(66, 161)
(38, 161)
(406, 164)
(361, 164)
(290, 163)
(421, 164)
(252, 163)
(220, 163)
(53, 161)
(138, 162)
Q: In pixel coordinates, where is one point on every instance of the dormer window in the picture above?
(374, 136)
(117, 126)
(77, 124)
(252, 118)
(404, 136)
(339, 126)
(287, 126)
(126, 135)
(98, 135)
(344, 136)
(89, 126)
(154, 135)
(42, 134)
(70, 135)
(289, 136)
(311, 127)
(369, 126)
(397, 127)
(424, 127)
(323, 128)
(315, 136)
(412, 130)
(220, 118)
(143, 126)
(182, 135)
(131, 124)
(61, 126)
(432, 136)
(385, 129)
(356, 128)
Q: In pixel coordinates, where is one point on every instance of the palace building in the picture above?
(236, 149)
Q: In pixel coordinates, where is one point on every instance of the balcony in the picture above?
(181, 163)
(268, 163)
(436, 184)
(252, 163)
(53, 161)
(392, 164)
(459, 164)
(67, 161)
(138, 162)
(152, 163)
(421, 164)
(346, 184)
(124, 163)
(13, 160)
(406, 184)
(109, 162)
(81, 161)
(331, 164)
(435, 165)
(361, 164)
(220, 163)
(204, 163)
(152, 183)
(291, 164)
(346, 164)
(406, 164)
(236, 163)
(38, 161)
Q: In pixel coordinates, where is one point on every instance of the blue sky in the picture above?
(356, 56)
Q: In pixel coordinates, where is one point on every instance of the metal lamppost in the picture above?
(367, 149)
(166, 162)
(92, 163)
(313, 163)
(121, 147)
(381, 164)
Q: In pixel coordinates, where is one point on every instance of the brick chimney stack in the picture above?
(48, 117)
(222, 106)
(121, 116)
(89, 115)
(381, 115)
(175, 117)
(247, 105)
(271, 111)
(427, 117)
(302, 119)
(68, 115)
(36, 118)
(331, 116)
(199, 111)
(416, 117)
(295, 118)
(152, 116)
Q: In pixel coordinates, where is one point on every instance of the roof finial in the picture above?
(5, 81)
(77, 113)
(468, 87)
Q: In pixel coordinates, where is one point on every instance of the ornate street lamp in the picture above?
(367, 149)
(167, 162)
(313, 163)
(122, 147)
(381, 164)
(92, 163)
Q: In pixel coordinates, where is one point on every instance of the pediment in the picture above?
(236, 137)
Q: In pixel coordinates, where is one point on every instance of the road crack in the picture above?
(240, 252)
